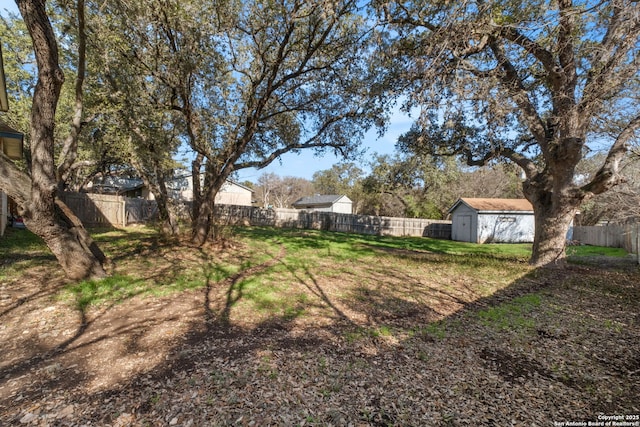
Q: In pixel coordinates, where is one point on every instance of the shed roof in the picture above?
(326, 199)
(495, 205)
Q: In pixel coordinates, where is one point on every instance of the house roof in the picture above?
(495, 205)
(317, 200)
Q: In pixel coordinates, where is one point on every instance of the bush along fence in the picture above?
(112, 210)
(612, 236)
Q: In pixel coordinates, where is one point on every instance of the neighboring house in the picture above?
(127, 187)
(231, 193)
(492, 221)
(10, 146)
(325, 203)
(179, 188)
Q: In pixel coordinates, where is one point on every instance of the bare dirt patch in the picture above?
(401, 339)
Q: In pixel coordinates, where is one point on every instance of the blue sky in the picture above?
(305, 164)
(9, 5)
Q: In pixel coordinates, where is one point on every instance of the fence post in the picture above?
(123, 203)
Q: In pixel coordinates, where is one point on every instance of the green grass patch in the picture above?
(512, 315)
(20, 252)
(18, 241)
(585, 251)
(362, 333)
(110, 290)
(435, 330)
(411, 271)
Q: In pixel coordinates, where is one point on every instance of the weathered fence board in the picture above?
(330, 221)
(104, 209)
(140, 210)
(613, 236)
(96, 210)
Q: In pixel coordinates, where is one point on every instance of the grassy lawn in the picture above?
(304, 327)
(145, 264)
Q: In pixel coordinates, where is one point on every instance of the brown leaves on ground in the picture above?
(368, 349)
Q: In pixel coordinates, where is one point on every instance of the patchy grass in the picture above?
(585, 250)
(514, 314)
(291, 327)
(20, 241)
(22, 253)
(146, 264)
(111, 290)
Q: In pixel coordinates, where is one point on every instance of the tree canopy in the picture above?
(538, 83)
(249, 81)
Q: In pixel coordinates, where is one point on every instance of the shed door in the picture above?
(463, 228)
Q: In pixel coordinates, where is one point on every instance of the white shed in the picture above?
(492, 221)
(325, 203)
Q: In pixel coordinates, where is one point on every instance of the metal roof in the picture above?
(495, 205)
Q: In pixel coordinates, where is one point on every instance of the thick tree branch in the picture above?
(14, 182)
(609, 174)
(615, 60)
(69, 151)
(314, 142)
(512, 82)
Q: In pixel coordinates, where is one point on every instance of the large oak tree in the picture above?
(36, 193)
(536, 82)
(252, 80)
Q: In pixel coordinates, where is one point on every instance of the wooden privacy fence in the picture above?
(97, 210)
(103, 210)
(330, 221)
(613, 236)
(106, 209)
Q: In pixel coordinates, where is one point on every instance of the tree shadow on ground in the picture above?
(390, 349)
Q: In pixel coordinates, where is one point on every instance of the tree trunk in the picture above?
(168, 223)
(205, 202)
(553, 211)
(550, 237)
(195, 183)
(46, 216)
(203, 222)
(62, 231)
(156, 183)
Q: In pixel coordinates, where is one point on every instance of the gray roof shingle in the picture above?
(317, 200)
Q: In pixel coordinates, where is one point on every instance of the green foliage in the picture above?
(342, 179)
(423, 185)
